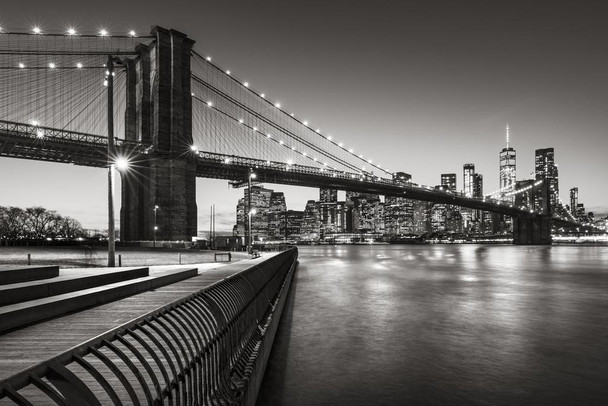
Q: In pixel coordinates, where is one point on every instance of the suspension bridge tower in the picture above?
(159, 113)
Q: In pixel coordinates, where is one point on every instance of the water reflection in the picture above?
(442, 325)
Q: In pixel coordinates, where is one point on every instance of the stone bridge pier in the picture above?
(159, 113)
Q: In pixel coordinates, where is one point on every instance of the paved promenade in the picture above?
(24, 347)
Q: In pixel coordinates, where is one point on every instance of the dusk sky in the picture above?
(420, 86)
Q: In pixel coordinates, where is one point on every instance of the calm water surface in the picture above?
(443, 324)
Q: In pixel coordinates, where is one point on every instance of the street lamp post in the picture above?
(110, 159)
(249, 209)
(155, 226)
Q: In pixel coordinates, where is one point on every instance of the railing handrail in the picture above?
(206, 339)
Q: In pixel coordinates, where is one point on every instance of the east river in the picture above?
(443, 325)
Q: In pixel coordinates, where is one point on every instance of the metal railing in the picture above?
(206, 349)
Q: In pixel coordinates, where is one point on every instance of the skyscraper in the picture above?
(468, 170)
(448, 181)
(573, 200)
(546, 169)
(328, 195)
(507, 168)
(398, 211)
(477, 185)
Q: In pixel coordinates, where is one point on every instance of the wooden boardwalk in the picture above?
(30, 345)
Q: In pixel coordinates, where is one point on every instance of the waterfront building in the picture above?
(454, 222)
(290, 225)
(546, 169)
(367, 212)
(275, 210)
(328, 207)
(311, 222)
(398, 211)
(438, 218)
(507, 169)
(421, 214)
(260, 203)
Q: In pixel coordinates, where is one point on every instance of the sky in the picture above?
(421, 86)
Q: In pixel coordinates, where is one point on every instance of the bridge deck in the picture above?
(25, 347)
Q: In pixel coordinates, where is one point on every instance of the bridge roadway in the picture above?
(30, 345)
(40, 143)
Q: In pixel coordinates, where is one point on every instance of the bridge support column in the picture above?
(159, 112)
(532, 230)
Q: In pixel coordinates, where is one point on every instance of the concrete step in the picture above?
(65, 283)
(33, 311)
(27, 273)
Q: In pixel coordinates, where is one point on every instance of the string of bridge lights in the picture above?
(269, 136)
(303, 122)
(72, 32)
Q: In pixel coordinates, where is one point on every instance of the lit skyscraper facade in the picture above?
(468, 171)
(448, 181)
(573, 200)
(507, 168)
(398, 211)
(546, 169)
(328, 195)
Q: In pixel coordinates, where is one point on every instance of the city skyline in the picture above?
(380, 101)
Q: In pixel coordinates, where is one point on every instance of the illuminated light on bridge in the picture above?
(34, 123)
(318, 131)
(103, 32)
(132, 33)
(209, 104)
(281, 142)
(21, 65)
(208, 59)
(246, 84)
(122, 163)
(304, 153)
(262, 95)
(52, 65)
(277, 105)
(79, 65)
(227, 72)
(193, 148)
(71, 31)
(37, 30)
(255, 129)
(241, 121)
(329, 137)
(340, 145)
(39, 134)
(305, 123)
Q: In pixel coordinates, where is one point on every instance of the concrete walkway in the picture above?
(30, 345)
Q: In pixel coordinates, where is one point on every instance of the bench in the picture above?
(225, 256)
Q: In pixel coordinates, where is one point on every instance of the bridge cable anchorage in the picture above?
(245, 85)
